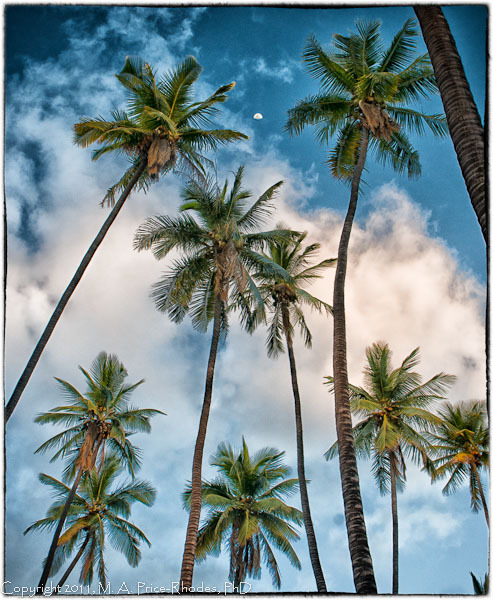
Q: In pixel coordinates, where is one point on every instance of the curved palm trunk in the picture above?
(57, 313)
(364, 579)
(196, 494)
(88, 460)
(71, 566)
(481, 493)
(305, 504)
(395, 527)
(462, 114)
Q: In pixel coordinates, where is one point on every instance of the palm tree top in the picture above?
(217, 235)
(105, 405)
(461, 445)
(161, 123)
(99, 506)
(393, 407)
(284, 289)
(246, 508)
(365, 85)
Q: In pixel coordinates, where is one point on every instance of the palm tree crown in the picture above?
(280, 293)
(247, 511)
(461, 448)
(219, 247)
(162, 125)
(367, 86)
(97, 513)
(100, 417)
(393, 406)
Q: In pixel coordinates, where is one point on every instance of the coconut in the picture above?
(378, 120)
(158, 155)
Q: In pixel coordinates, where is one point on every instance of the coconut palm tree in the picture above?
(461, 111)
(96, 513)
(461, 450)
(284, 301)
(365, 93)
(218, 250)
(393, 406)
(101, 418)
(161, 130)
(247, 511)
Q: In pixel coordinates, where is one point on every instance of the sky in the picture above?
(416, 277)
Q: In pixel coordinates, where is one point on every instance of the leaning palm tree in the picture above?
(162, 130)
(365, 94)
(284, 301)
(462, 114)
(97, 512)
(247, 512)
(393, 406)
(218, 248)
(95, 420)
(461, 444)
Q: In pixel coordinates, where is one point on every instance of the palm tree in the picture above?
(162, 130)
(96, 513)
(393, 407)
(461, 449)
(462, 114)
(284, 300)
(102, 417)
(218, 249)
(364, 96)
(481, 588)
(248, 513)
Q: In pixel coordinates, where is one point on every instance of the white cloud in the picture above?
(283, 70)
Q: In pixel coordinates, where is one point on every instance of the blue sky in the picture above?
(416, 277)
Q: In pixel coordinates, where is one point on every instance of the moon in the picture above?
(257, 116)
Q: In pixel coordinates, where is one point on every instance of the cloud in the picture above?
(283, 70)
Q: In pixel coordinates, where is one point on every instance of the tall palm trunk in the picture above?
(72, 565)
(462, 114)
(88, 459)
(364, 579)
(395, 526)
(305, 504)
(239, 569)
(481, 493)
(57, 313)
(196, 494)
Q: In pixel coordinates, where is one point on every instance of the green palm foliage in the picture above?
(393, 407)
(247, 512)
(162, 124)
(101, 418)
(162, 129)
(461, 449)
(366, 87)
(285, 296)
(98, 512)
(366, 95)
(284, 300)
(218, 245)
